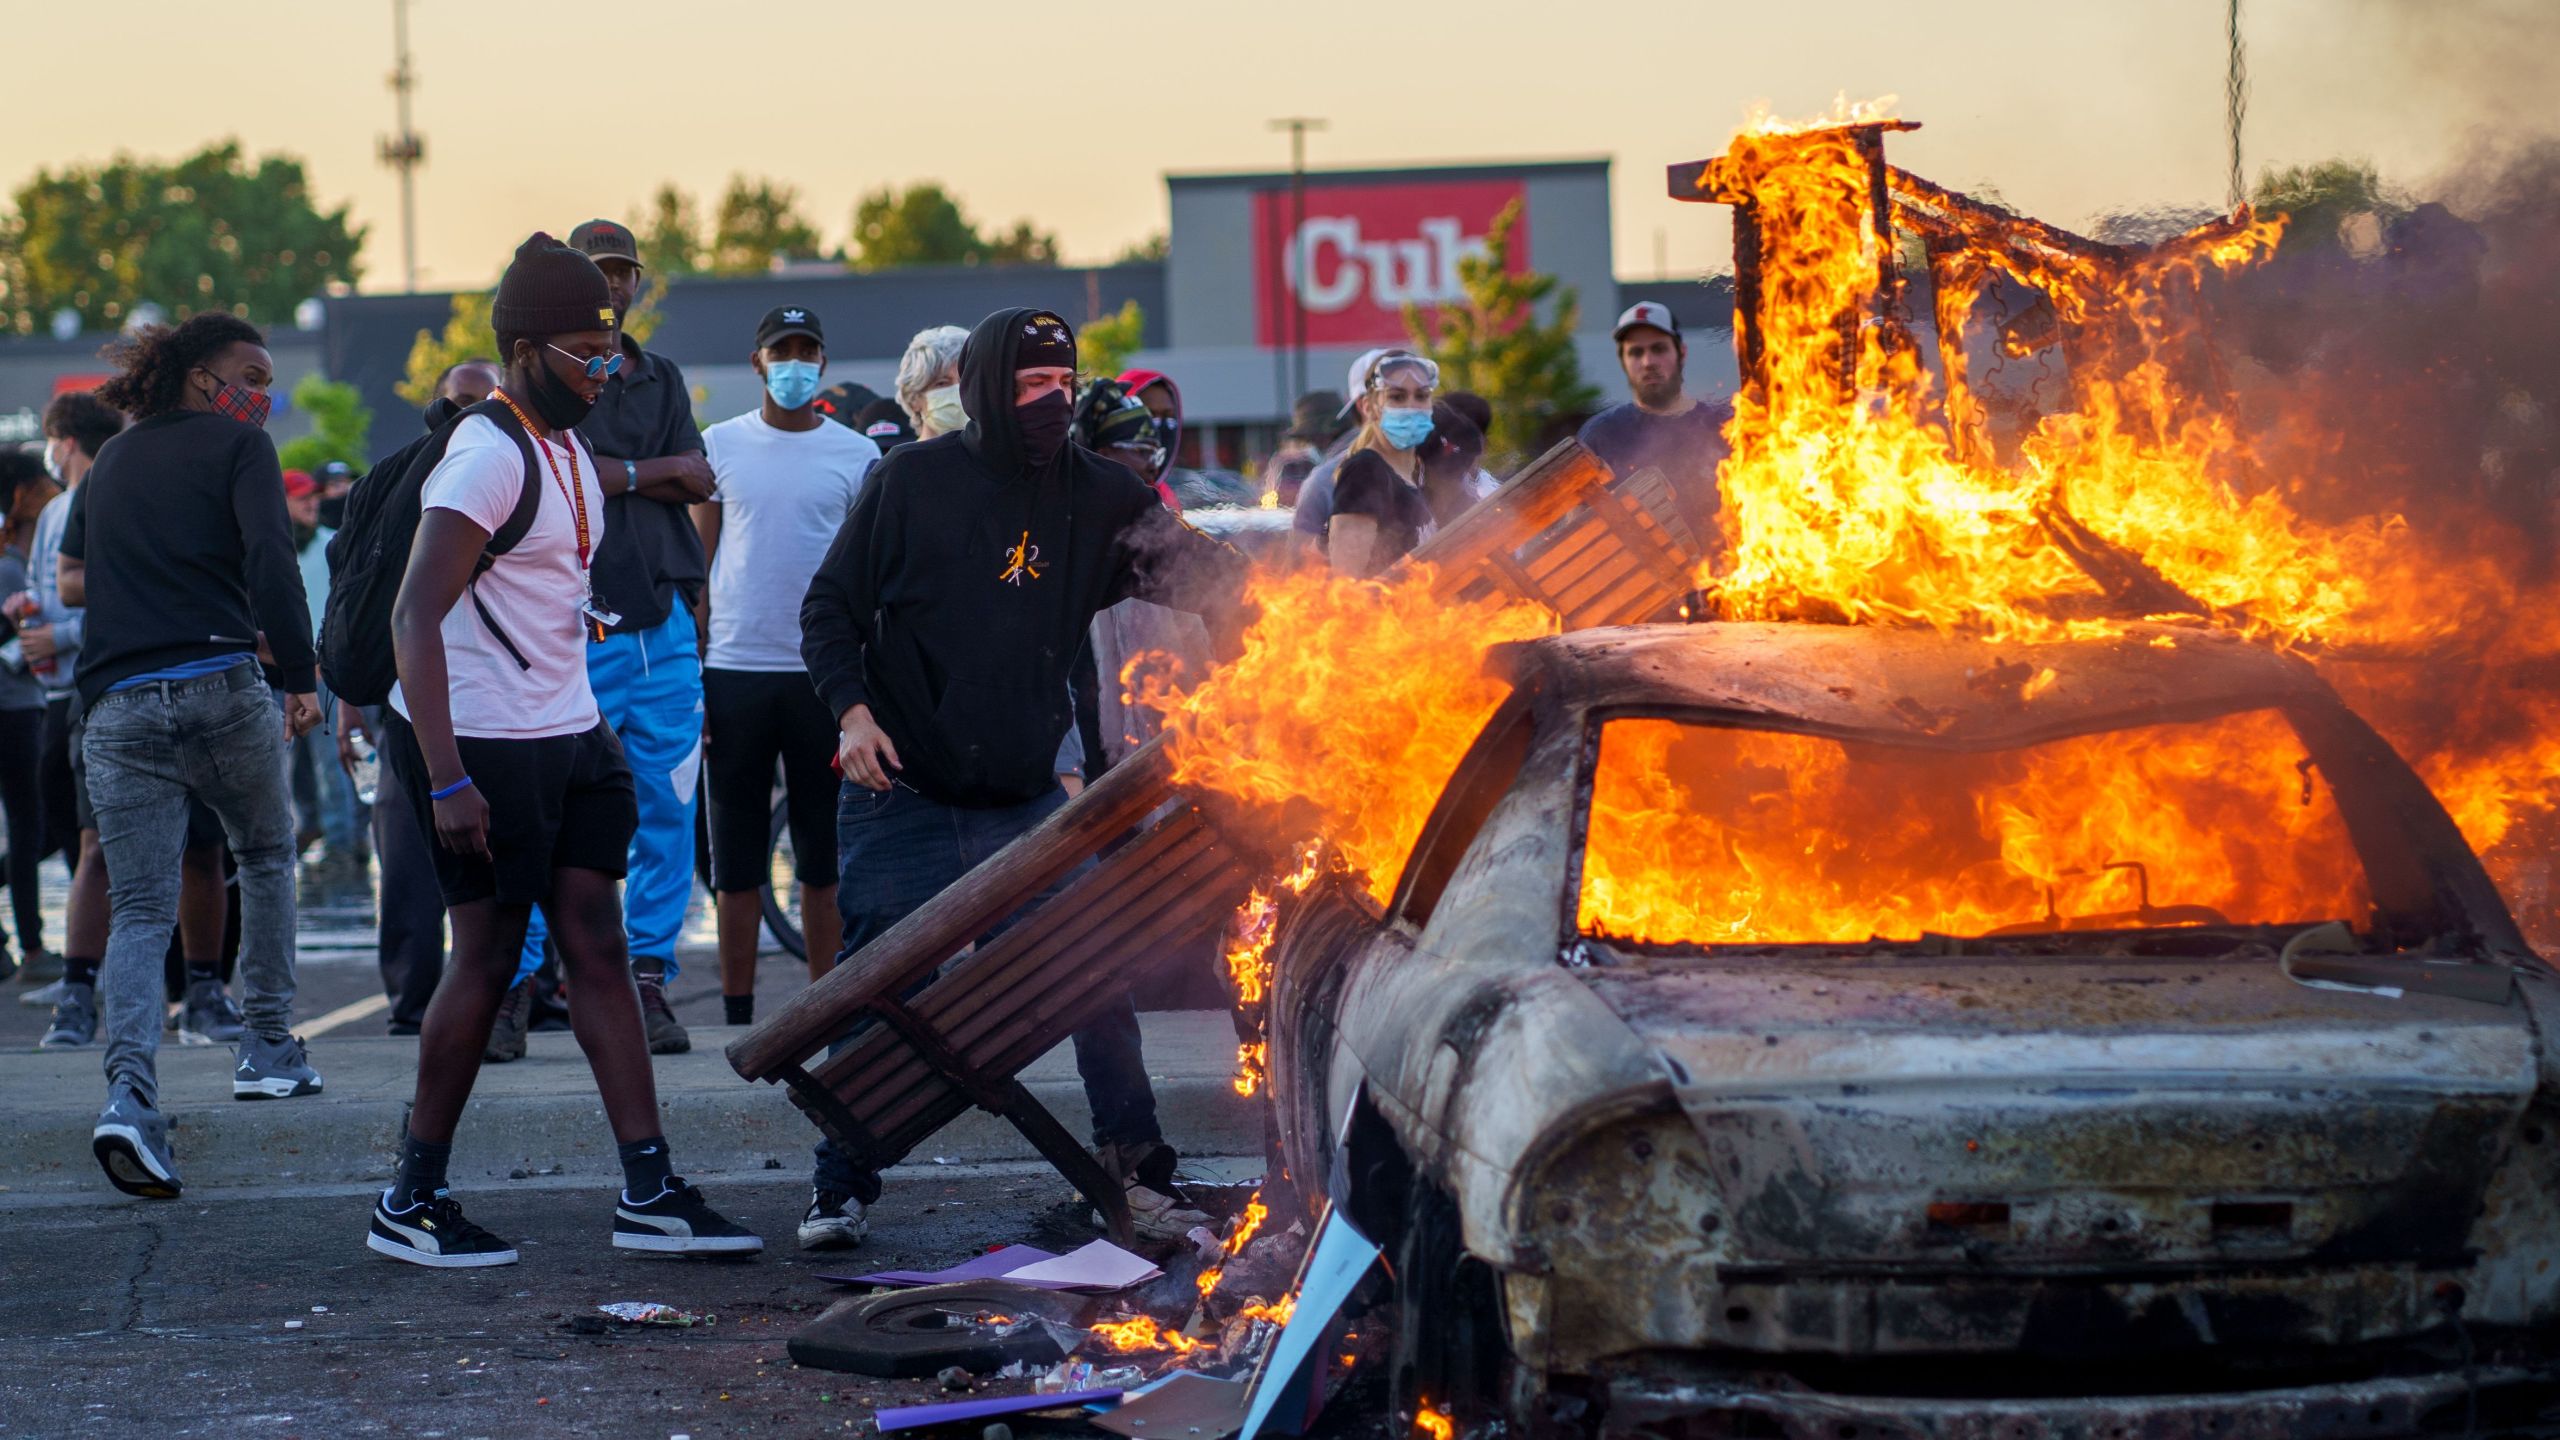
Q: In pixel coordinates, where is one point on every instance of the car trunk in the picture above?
(1895, 1116)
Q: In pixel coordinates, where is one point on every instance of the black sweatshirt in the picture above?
(188, 552)
(922, 612)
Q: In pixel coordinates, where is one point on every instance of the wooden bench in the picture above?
(933, 1035)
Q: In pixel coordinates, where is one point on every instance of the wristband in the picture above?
(448, 792)
(630, 476)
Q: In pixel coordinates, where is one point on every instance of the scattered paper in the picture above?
(1098, 1266)
(1340, 1257)
(994, 1265)
(1185, 1403)
(913, 1417)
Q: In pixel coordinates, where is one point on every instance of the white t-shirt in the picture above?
(533, 591)
(783, 495)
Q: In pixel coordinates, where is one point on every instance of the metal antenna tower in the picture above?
(2236, 94)
(405, 151)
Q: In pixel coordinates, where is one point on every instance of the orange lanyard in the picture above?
(573, 489)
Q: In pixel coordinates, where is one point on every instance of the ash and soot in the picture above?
(2346, 456)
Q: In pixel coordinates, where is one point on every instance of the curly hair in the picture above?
(153, 362)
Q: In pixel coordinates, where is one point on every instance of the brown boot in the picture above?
(667, 1035)
(515, 1016)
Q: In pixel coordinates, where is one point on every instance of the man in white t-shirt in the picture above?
(784, 479)
(495, 734)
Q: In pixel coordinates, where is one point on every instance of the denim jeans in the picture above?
(149, 750)
(322, 794)
(898, 850)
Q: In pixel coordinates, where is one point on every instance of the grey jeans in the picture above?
(218, 739)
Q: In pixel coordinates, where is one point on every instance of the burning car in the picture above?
(1794, 1029)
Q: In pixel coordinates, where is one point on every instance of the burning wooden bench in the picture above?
(934, 1031)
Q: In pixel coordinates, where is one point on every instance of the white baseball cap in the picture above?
(1647, 312)
(1364, 372)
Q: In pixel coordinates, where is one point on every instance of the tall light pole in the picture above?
(405, 151)
(2236, 96)
(1297, 126)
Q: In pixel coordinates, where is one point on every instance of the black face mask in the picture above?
(1044, 424)
(555, 401)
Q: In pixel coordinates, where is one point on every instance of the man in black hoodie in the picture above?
(940, 631)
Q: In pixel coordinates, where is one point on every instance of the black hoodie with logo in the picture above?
(957, 595)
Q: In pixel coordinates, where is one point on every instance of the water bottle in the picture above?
(367, 771)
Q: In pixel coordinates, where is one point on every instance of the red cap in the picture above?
(298, 483)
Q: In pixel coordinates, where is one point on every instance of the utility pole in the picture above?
(404, 152)
(2236, 97)
(1297, 126)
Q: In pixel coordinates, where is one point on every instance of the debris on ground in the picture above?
(650, 1312)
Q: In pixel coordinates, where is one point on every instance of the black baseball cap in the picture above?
(605, 240)
(783, 320)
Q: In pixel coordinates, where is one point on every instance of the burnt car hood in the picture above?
(1865, 1111)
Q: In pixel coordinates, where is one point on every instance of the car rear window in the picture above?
(1707, 834)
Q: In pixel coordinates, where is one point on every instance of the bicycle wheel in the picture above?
(781, 892)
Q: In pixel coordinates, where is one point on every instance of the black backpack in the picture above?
(369, 556)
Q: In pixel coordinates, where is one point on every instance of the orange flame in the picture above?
(1140, 1332)
(1708, 835)
(1354, 698)
(1277, 1312)
(1434, 1423)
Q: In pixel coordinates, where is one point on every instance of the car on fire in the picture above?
(1855, 1032)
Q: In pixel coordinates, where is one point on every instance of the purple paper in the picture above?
(990, 1266)
(913, 1417)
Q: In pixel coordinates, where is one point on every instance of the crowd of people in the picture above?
(561, 616)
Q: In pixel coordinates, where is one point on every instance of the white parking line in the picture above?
(370, 1005)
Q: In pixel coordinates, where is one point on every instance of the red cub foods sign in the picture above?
(1367, 251)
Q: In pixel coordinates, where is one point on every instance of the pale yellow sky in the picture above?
(541, 114)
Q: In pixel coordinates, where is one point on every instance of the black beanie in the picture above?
(550, 289)
(1046, 341)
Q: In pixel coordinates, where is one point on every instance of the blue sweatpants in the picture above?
(648, 683)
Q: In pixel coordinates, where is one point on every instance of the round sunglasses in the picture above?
(606, 366)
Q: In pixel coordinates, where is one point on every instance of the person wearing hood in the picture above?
(1163, 399)
(940, 631)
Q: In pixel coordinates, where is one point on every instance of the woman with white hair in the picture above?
(929, 381)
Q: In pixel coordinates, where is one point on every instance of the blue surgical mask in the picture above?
(791, 383)
(1405, 428)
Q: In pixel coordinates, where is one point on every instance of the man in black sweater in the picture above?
(190, 573)
(940, 631)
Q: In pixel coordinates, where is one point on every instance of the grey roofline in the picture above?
(1406, 173)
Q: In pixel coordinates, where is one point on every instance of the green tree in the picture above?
(2320, 197)
(1155, 248)
(670, 233)
(340, 426)
(466, 336)
(758, 222)
(1105, 345)
(1496, 344)
(213, 231)
(923, 225)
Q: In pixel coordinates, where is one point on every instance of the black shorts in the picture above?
(203, 826)
(562, 802)
(754, 720)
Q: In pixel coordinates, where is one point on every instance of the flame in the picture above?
(1352, 703)
(1252, 1061)
(1434, 1423)
(1140, 1332)
(1277, 1312)
(1705, 835)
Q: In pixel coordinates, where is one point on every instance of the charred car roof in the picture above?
(1913, 686)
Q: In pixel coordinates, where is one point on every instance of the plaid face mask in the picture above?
(239, 402)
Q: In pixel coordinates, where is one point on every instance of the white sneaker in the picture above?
(1154, 1215)
(834, 1222)
(43, 994)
